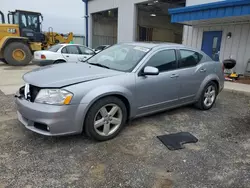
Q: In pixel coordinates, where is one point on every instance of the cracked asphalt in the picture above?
(136, 158)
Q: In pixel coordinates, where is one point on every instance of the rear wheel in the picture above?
(17, 54)
(105, 119)
(208, 97)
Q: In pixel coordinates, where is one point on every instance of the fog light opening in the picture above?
(41, 126)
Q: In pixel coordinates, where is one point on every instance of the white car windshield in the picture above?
(121, 57)
(55, 48)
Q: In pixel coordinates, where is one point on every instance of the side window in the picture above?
(33, 22)
(86, 51)
(164, 60)
(64, 50)
(72, 50)
(189, 58)
(23, 21)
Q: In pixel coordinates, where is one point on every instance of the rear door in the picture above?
(191, 73)
(71, 53)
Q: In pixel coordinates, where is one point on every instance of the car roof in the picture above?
(154, 44)
(64, 44)
(159, 45)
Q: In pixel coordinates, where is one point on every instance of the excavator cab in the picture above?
(29, 24)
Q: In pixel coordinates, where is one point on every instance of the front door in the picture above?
(211, 44)
(158, 92)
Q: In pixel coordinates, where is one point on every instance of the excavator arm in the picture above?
(55, 38)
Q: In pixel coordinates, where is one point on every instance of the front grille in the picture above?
(21, 91)
(33, 92)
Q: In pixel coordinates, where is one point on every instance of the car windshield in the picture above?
(121, 57)
(55, 48)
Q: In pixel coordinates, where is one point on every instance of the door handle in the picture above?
(67, 55)
(203, 70)
(174, 76)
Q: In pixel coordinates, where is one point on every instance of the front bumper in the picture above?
(42, 62)
(50, 120)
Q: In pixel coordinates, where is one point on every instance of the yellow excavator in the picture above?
(22, 35)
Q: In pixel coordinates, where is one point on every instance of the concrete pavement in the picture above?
(237, 88)
(11, 77)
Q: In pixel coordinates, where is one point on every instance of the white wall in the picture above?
(63, 15)
(238, 47)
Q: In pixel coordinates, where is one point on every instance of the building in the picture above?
(220, 28)
(112, 21)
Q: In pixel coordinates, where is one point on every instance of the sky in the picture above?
(63, 15)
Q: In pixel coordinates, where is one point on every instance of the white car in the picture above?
(62, 53)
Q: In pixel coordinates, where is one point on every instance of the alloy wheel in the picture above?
(209, 96)
(108, 119)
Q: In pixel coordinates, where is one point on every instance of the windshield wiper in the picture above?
(99, 65)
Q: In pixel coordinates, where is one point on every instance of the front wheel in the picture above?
(105, 119)
(208, 96)
(17, 54)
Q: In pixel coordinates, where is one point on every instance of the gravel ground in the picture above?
(136, 158)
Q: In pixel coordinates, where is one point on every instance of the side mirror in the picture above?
(148, 70)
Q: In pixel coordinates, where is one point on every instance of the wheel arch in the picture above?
(124, 98)
(217, 84)
(210, 78)
(61, 59)
(101, 92)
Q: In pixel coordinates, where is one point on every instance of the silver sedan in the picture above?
(123, 82)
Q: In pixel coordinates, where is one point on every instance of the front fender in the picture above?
(8, 39)
(209, 78)
(102, 91)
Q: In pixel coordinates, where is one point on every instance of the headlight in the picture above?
(54, 96)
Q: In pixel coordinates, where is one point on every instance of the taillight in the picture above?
(43, 56)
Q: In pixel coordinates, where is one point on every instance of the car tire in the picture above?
(59, 61)
(208, 96)
(17, 54)
(101, 124)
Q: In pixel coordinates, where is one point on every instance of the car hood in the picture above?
(66, 74)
